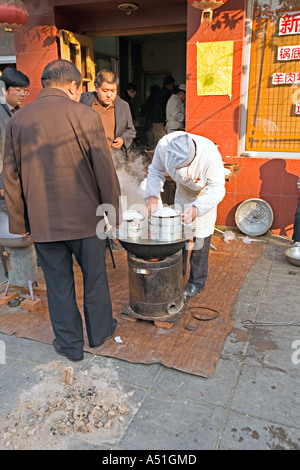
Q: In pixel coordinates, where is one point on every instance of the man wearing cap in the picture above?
(195, 164)
(175, 111)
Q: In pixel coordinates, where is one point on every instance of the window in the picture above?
(273, 110)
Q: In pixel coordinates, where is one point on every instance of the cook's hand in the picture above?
(189, 215)
(151, 206)
(2, 192)
(117, 143)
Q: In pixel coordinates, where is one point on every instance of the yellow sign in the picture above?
(214, 68)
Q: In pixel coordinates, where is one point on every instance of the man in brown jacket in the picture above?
(57, 171)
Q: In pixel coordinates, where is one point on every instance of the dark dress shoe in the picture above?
(112, 332)
(192, 290)
(69, 356)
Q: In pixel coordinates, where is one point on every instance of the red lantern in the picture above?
(207, 6)
(13, 13)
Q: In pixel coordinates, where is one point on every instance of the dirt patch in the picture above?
(67, 404)
(240, 335)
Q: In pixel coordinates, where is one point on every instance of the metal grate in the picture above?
(272, 122)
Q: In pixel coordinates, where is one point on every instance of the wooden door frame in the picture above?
(78, 40)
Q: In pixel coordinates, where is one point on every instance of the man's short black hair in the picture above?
(60, 73)
(14, 78)
(107, 76)
(168, 80)
(131, 86)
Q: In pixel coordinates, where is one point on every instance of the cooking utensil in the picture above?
(293, 255)
(108, 227)
(147, 249)
(134, 225)
(8, 239)
(111, 252)
(165, 225)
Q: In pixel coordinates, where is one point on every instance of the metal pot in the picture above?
(134, 225)
(8, 239)
(165, 225)
(293, 255)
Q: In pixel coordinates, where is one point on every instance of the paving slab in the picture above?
(167, 423)
(269, 394)
(244, 432)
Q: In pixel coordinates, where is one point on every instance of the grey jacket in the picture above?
(124, 124)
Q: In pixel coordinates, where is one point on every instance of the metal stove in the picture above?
(155, 279)
(155, 288)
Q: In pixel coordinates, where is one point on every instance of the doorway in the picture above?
(143, 59)
(151, 58)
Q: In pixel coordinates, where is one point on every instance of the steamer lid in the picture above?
(166, 212)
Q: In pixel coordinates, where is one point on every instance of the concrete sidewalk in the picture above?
(251, 402)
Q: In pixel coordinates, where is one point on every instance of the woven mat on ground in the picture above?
(193, 351)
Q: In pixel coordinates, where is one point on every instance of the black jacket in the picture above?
(160, 104)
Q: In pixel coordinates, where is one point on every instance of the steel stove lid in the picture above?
(254, 217)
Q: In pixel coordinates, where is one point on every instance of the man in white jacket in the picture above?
(175, 110)
(195, 164)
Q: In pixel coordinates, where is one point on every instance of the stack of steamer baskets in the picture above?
(165, 225)
(154, 257)
(134, 226)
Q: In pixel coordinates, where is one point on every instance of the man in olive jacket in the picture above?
(57, 171)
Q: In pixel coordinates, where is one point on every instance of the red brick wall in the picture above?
(218, 118)
(36, 43)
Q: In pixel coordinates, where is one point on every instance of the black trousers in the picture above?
(56, 260)
(198, 261)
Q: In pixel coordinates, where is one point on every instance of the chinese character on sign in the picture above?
(297, 107)
(285, 78)
(288, 53)
(289, 23)
(278, 78)
(290, 78)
